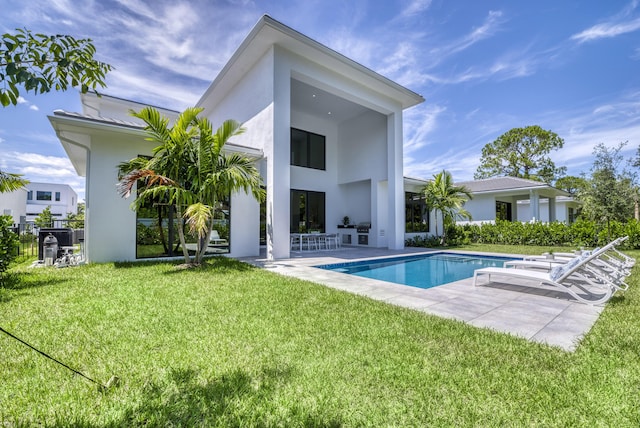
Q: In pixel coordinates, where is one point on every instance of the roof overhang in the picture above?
(74, 131)
(269, 32)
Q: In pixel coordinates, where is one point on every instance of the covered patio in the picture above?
(533, 313)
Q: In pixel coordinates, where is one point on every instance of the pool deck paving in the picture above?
(515, 307)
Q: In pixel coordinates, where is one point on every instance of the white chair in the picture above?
(216, 241)
(578, 273)
(294, 241)
(332, 239)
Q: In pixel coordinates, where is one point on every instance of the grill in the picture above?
(363, 227)
(363, 232)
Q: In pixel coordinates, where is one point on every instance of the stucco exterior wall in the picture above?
(14, 204)
(111, 223)
(482, 207)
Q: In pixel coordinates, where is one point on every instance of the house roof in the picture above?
(268, 32)
(511, 185)
(64, 121)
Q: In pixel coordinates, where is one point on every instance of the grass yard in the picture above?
(232, 345)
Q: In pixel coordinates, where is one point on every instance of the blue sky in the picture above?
(484, 67)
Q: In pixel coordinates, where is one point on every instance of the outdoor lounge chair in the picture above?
(614, 267)
(216, 241)
(575, 277)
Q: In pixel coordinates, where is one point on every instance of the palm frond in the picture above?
(198, 217)
(10, 182)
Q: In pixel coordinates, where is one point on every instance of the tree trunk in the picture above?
(202, 243)
(183, 244)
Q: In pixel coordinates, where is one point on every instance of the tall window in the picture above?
(416, 213)
(572, 215)
(307, 149)
(307, 211)
(30, 195)
(57, 196)
(157, 229)
(503, 211)
(43, 196)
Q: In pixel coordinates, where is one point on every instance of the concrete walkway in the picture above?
(534, 313)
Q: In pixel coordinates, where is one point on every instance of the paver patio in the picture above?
(534, 313)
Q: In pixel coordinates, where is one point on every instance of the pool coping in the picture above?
(535, 313)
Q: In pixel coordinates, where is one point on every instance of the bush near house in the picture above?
(8, 244)
(583, 233)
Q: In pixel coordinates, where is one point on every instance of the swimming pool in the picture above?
(422, 271)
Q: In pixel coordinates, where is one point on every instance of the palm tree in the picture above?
(189, 170)
(443, 195)
(10, 182)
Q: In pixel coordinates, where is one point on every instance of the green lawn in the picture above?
(232, 345)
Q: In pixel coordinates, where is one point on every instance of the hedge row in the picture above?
(581, 233)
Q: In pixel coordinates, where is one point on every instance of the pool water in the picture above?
(422, 271)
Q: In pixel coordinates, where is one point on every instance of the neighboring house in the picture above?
(325, 131)
(60, 197)
(14, 204)
(566, 209)
(24, 205)
(516, 199)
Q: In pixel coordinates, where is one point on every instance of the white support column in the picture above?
(395, 228)
(534, 199)
(552, 209)
(278, 166)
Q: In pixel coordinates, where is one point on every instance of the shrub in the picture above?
(8, 243)
(582, 233)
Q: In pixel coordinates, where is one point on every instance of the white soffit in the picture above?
(268, 32)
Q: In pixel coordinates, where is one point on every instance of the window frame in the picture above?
(40, 195)
(413, 200)
(310, 161)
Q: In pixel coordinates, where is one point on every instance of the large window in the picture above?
(307, 211)
(307, 149)
(43, 196)
(503, 211)
(157, 229)
(416, 213)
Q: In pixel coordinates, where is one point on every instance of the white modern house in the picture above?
(14, 204)
(61, 198)
(325, 131)
(517, 199)
(24, 205)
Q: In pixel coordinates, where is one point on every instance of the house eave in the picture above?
(268, 32)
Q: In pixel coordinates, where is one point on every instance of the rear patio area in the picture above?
(534, 313)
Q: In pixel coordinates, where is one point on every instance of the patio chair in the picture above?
(604, 263)
(567, 278)
(216, 241)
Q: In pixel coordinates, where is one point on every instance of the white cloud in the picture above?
(607, 30)
(33, 107)
(21, 100)
(621, 23)
(488, 28)
(415, 7)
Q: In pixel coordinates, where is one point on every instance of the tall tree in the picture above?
(610, 194)
(45, 218)
(190, 170)
(571, 184)
(521, 152)
(443, 195)
(41, 63)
